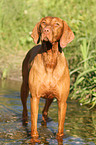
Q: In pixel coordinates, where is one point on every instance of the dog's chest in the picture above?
(45, 75)
(49, 60)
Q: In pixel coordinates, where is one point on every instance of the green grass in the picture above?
(18, 18)
(85, 52)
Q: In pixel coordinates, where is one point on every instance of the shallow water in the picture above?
(80, 123)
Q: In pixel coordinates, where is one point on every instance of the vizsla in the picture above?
(45, 71)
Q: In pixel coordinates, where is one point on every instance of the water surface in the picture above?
(80, 123)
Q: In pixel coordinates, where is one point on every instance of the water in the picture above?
(80, 123)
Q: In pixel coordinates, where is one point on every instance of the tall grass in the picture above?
(85, 53)
(85, 85)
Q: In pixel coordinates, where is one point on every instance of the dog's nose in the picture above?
(46, 30)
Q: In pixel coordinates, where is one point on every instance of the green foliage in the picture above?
(85, 85)
(85, 51)
(13, 26)
(18, 18)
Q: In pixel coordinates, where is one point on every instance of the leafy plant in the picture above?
(85, 85)
(85, 52)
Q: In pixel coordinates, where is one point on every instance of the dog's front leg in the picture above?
(62, 105)
(34, 117)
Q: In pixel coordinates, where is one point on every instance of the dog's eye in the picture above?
(56, 24)
(44, 22)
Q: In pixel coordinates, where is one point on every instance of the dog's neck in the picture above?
(50, 54)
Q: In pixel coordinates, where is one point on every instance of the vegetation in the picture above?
(17, 19)
(85, 85)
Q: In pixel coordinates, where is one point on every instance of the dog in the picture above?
(45, 71)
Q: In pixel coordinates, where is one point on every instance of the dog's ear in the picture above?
(67, 35)
(35, 33)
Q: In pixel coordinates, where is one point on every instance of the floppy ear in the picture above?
(67, 35)
(35, 33)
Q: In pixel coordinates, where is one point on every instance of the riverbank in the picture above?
(11, 64)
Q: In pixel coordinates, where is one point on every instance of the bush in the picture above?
(85, 85)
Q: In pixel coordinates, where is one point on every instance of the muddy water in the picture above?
(80, 123)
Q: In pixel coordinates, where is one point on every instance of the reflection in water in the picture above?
(80, 123)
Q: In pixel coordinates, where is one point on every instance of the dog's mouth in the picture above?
(46, 37)
(46, 40)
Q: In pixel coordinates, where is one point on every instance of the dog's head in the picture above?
(52, 29)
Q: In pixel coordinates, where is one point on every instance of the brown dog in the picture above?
(45, 71)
